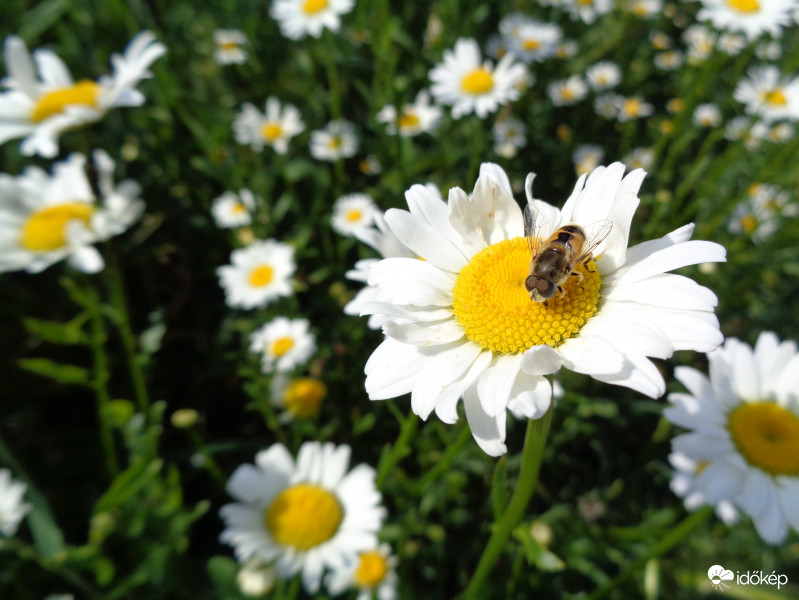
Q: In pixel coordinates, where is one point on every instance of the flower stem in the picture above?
(676, 535)
(400, 448)
(534, 443)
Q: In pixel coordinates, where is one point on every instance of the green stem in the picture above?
(534, 443)
(400, 448)
(98, 337)
(675, 536)
(116, 296)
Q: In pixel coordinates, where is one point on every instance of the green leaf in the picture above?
(535, 553)
(127, 483)
(58, 333)
(53, 370)
(41, 18)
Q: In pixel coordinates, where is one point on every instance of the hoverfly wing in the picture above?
(533, 224)
(595, 234)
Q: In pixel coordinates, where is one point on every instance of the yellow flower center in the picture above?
(314, 6)
(271, 131)
(494, 308)
(229, 46)
(282, 345)
(372, 569)
(46, 229)
(238, 208)
(531, 44)
(335, 142)
(744, 6)
(701, 467)
(407, 120)
(354, 215)
(749, 224)
(52, 103)
(303, 397)
(261, 275)
(477, 82)
(567, 94)
(767, 436)
(585, 2)
(632, 107)
(774, 98)
(303, 516)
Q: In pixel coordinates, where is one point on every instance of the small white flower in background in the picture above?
(60, 597)
(660, 40)
(769, 50)
(300, 398)
(461, 323)
(568, 91)
(232, 210)
(640, 158)
(587, 11)
(303, 516)
(586, 158)
(274, 128)
(759, 215)
(603, 76)
(256, 578)
(530, 40)
(768, 94)
(732, 43)
(372, 574)
(353, 212)
(633, 108)
(509, 136)
(707, 115)
(701, 43)
(419, 117)
(12, 508)
(567, 49)
(743, 437)
(298, 18)
(228, 46)
(778, 133)
(607, 105)
(683, 485)
(370, 165)
(741, 128)
(336, 140)
(471, 85)
(497, 46)
(751, 17)
(47, 218)
(284, 344)
(43, 101)
(258, 274)
(670, 60)
(646, 9)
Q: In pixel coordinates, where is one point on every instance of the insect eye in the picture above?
(545, 288)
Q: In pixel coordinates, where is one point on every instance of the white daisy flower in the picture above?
(701, 43)
(732, 43)
(285, 344)
(707, 115)
(337, 140)
(531, 40)
(587, 11)
(228, 46)
(463, 323)
(43, 101)
(232, 210)
(633, 108)
(768, 94)
(372, 574)
(778, 133)
(567, 49)
(769, 50)
(300, 398)
(47, 218)
(607, 105)
(751, 17)
(12, 508)
(509, 136)
(670, 60)
(275, 127)
(419, 117)
(646, 9)
(759, 215)
(660, 40)
(298, 18)
(59, 597)
(353, 212)
(568, 91)
(471, 85)
(257, 274)
(640, 158)
(587, 157)
(683, 485)
(370, 165)
(743, 424)
(306, 516)
(603, 76)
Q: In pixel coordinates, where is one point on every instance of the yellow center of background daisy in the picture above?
(530, 44)
(303, 516)
(271, 131)
(767, 436)
(261, 275)
(303, 397)
(494, 308)
(282, 345)
(353, 215)
(477, 82)
(238, 208)
(407, 120)
(775, 98)
(313, 6)
(229, 46)
(749, 224)
(632, 107)
(46, 229)
(744, 6)
(52, 103)
(372, 569)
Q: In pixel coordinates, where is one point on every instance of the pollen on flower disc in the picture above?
(52, 103)
(494, 308)
(46, 229)
(767, 435)
(372, 569)
(303, 516)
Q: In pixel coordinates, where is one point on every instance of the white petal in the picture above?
(393, 369)
(668, 290)
(87, 259)
(447, 402)
(411, 281)
(425, 241)
(444, 368)
(541, 360)
(494, 386)
(688, 253)
(531, 396)
(638, 374)
(433, 333)
(591, 355)
(488, 432)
